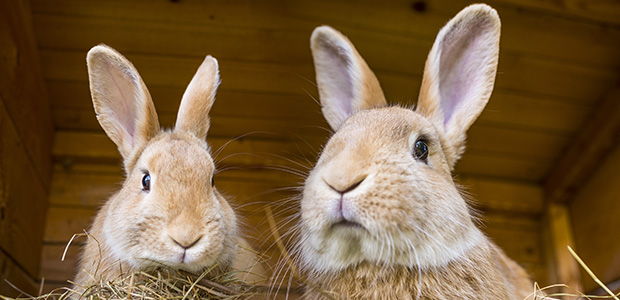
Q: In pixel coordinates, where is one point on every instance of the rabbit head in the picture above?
(168, 212)
(382, 191)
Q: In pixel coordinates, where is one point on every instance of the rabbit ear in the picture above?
(460, 73)
(198, 98)
(346, 84)
(122, 102)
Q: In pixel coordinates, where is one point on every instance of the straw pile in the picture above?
(157, 284)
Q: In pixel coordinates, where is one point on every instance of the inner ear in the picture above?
(466, 69)
(346, 83)
(121, 100)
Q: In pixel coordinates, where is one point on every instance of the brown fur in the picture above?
(478, 277)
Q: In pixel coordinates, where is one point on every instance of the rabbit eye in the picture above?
(420, 150)
(212, 182)
(146, 182)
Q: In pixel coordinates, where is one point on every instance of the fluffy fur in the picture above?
(377, 222)
(181, 221)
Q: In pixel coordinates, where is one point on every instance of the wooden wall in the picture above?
(595, 214)
(556, 63)
(25, 147)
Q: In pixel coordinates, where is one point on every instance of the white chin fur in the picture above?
(346, 249)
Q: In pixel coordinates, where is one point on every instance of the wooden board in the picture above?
(22, 200)
(583, 156)
(15, 280)
(73, 108)
(529, 75)
(606, 11)
(22, 87)
(25, 145)
(594, 213)
(524, 30)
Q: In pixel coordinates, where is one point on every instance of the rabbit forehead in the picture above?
(177, 155)
(379, 130)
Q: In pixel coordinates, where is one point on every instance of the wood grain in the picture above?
(528, 31)
(22, 86)
(594, 213)
(25, 148)
(580, 159)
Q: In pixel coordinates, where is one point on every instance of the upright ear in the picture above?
(198, 98)
(459, 75)
(346, 84)
(122, 103)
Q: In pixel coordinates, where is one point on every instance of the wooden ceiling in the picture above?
(557, 62)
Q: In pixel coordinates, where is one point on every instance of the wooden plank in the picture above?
(22, 85)
(488, 164)
(76, 96)
(566, 267)
(533, 112)
(500, 195)
(72, 108)
(501, 141)
(594, 218)
(81, 33)
(600, 11)
(514, 142)
(482, 136)
(63, 222)
(54, 269)
(22, 199)
(583, 156)
(13, 276)
(542, 77)
(221, 125)
(526, 31)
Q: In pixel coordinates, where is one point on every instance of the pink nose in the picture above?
(186, 244)
(345, 188)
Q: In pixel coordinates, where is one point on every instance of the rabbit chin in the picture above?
(347, 246)
(191, 262)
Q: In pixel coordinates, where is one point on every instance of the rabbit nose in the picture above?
(344, 188)
(185, 244)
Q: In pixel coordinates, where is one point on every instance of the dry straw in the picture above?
(157, 284)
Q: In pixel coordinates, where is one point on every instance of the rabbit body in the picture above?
(168, 211)
(381, 217)
(481, 275)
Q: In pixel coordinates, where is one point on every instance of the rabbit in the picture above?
(380, 214)
(168, 211)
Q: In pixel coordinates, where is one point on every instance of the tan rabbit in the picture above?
(168, 211)
(381, 217)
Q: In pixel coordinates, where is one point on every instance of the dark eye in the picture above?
(146, 182)
(420, 150)
(212, 181)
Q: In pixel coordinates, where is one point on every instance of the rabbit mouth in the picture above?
(347, 224)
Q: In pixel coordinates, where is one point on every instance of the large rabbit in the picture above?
(381, 217)
(168, 212)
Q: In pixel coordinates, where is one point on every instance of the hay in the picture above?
(161, 283)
